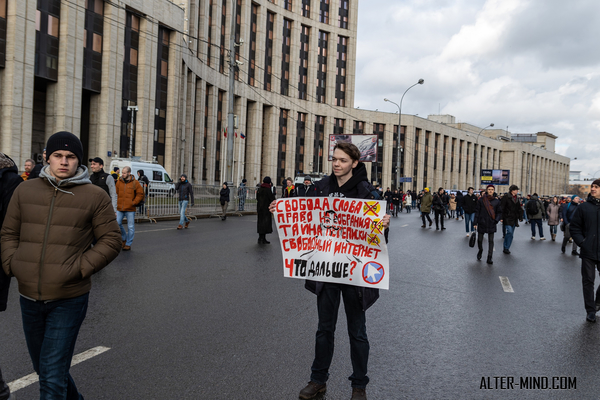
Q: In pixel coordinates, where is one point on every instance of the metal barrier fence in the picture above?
(163, 201)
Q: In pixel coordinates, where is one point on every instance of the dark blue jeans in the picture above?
(51, 331)
(328, 303)
(508, 237)
(537, 222)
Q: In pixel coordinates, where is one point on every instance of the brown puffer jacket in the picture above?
(48, 232)
(129, 194)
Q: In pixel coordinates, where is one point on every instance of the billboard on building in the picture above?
(495, 177)
(367, 144)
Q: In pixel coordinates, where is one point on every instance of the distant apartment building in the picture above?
(151, 78)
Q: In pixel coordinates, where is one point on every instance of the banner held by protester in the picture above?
(333, 239)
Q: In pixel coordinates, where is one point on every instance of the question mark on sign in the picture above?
(353, 263)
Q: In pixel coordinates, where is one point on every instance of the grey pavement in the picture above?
(206, 313)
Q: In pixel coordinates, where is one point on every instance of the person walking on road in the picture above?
(567, 216)
(47, 239)
(535, 213)
(224, 200)
(129, 195)
(459, 205)
(395, 202)
(426, 202)
(585, 230)
(242, 195)
(511, 215)
(186, 196)
(469, 205)
(453, 210)
(350, 180)
(487, 215)
(553, 217)
(264, 198)
(408, 202)
(9, 180)
(439, 208)
(98, 178)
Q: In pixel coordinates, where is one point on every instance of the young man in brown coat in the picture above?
(129, 195)
(47, 239)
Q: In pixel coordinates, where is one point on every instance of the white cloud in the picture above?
(531, 65)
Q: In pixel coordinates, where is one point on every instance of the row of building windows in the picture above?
(286, 40)
(452, 147)
(323, 10)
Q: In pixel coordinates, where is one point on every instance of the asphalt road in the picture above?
(206, 313)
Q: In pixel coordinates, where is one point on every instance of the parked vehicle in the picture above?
(160, 181)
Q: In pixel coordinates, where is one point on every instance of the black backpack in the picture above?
(532, 207)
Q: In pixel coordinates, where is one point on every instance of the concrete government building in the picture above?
(81, 65)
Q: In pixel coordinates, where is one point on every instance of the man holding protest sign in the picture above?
(349, 180)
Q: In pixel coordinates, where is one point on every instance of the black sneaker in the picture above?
(312, 390)
(574, 253)
(506, 251)
(591, 317)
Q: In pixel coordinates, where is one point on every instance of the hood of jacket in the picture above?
(81, 177)
(7, 164)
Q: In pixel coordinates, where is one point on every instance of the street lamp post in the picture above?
(479, 151)
(398, 152)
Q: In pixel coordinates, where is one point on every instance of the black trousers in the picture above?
(588, 273)
(425, 214)
(439, 216)
(4, 392)
(490, 242)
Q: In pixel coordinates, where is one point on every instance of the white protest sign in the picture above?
(333, 239)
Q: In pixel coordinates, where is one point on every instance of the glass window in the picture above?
(163, 68)
(168, 178)
(165, 37)
(133, 57)
(38, 16)
(135, 23)
(97, 46)
(157, 176)
(98, 7)
(85, 39)
(53, 23)
(3, 9)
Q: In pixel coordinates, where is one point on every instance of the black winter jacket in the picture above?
(485, 223)
(224, 196)
(469, 203)
(9, 180)
(186, 191)
(360, 185)
(264, 197)
(585, 229)
(568, 211)
(511, 211)
(306, 191)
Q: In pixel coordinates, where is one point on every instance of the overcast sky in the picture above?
(531, 65)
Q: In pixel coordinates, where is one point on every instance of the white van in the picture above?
(160, 181)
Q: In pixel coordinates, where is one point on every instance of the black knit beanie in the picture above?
(64, 141)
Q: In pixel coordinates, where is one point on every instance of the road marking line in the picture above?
(404, 226)
(506, 284)
(33, 378)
